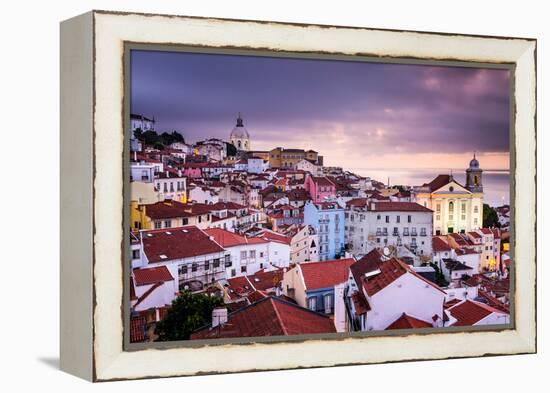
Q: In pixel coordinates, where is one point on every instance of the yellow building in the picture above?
(456, 208)
(288, 158)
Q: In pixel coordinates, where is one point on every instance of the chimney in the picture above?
(373, 206)
(219, 316)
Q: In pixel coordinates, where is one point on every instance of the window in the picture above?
(398, 219)
(387, 219)
(167, 223)
(378, 217)
(216, 263)
(463, 208)
(228, 261)
(182, 270)
(158, 224)
(194, 267)
(377, 240)
(409, 219)
(312, 303)
(206, 265)
(135, 254)
(243, 255)
(261, 254)
(438, 207)
(243, 269)
(233, 272)
(252, 254)
(328, 303)
(476, 209)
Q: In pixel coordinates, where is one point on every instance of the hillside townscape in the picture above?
(228, 242)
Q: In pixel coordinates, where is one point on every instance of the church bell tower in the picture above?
(474, 181)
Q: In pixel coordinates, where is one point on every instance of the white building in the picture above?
(304, 245)
(457, 208)
(256, 165)
(143, 172)
(190, 255)
(171, 185)
(380, 291)
(249, 254)
(379, 224)
(203, 194)
(308, 166)
(141, 122)
(152, 288)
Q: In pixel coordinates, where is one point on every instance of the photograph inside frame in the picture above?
(276, 195)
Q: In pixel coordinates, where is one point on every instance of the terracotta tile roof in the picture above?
(264, 280)
(493, 301)
(475, 235)
(322, 181)
(166, 209)
(230, 239)
(486, 231)
(451, 303)
(469, 313)
(152, 275)
(256, 295)
(325, 274)
(274, 237)
(239, 287)
(439, 245)
(360, 303)
(137, 329)
(438, 182)
(358, 202)
(388, 271)
(177, 243)
(227, 205)
(398, 207)
(453, 265)
(270, 316)
(408, 322)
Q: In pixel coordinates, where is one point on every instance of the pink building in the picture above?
(193, 170)
(320, 188)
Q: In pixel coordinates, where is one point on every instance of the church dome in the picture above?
(239, 132)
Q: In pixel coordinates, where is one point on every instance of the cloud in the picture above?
(342, 109)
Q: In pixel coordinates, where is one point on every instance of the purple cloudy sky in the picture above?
(356, 114)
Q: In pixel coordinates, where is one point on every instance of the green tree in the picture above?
(188, 312)
(231, 150)
(138, 133)
(490, 217)
(439, 277)
(150, 137)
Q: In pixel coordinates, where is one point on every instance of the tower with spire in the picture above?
(474, 173)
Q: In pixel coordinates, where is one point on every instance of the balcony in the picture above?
(413, 233)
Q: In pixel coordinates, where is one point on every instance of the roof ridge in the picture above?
(279, 318)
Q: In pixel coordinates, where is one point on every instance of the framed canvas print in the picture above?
(246, 195)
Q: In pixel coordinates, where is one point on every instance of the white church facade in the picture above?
(456, 207)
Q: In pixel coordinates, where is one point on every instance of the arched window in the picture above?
(451, 206)
(239, 144)
(476, 180)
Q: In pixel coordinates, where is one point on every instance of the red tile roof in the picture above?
(322, 181)
(274, 237)
(475, 235)
(264, 280)
(137, 329)
(389, 271)
(469, 313)
(166, 209)
(325, 274)
(398, 207)
(360, 303)
(152, 275)
(408, 322)
(486, 231)
(239, 287)
(439, 245)
(230, 239)
(270, 316)
(177, 243)
(438, 182)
